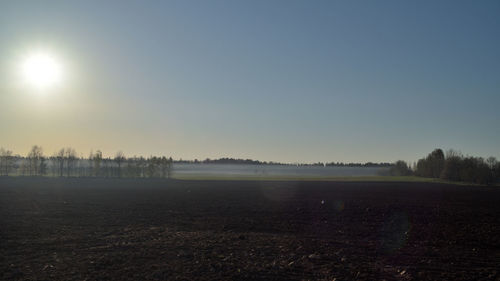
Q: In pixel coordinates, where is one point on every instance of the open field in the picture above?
(112, 229)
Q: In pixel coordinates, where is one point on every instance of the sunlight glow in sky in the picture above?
(292, 81)
(41, 70)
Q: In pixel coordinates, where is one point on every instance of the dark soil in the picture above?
(112, 229)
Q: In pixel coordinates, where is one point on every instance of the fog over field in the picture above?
(274, 170)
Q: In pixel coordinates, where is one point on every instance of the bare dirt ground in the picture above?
(112, 229)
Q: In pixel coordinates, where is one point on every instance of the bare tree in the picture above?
(491, 161)
(43, 166)
(6, 161)
(452, 153)
(35, 157)
(2, 161)
(71, 158)
(133, 167)
(58, 158)
(142, 164)
(166, 167)
(96, 162)
(119, 159)
(152, 166)
(170, 167)
(90, 164)
(163, 166)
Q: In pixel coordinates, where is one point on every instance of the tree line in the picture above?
(452, 166)
(236, 161)
(367, 164)
(66, 163)
(226, 160)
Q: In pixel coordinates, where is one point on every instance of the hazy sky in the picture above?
(294, 81)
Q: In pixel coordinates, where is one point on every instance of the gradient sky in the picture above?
(292, 81)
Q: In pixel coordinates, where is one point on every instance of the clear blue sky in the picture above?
(294, 81)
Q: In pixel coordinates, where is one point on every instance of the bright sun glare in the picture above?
(41, 70)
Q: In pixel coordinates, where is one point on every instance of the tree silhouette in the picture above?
(6, 161)
(152, 166)
(455, 167)
(71, 158)
(166, 167)
(432, 166)
(34, 160)
(96, 163)
(119, 159)
(58, 160)
(491, 161)
(400, 168)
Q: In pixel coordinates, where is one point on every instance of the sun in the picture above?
(41, 70)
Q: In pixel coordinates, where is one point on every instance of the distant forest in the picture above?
(257, 162)
(451, 165)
